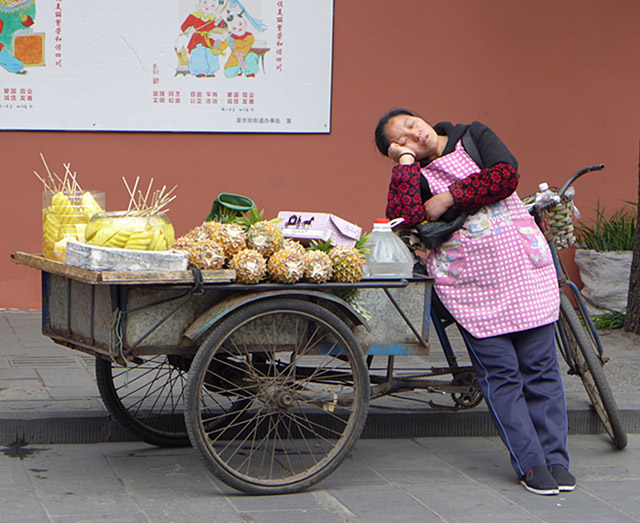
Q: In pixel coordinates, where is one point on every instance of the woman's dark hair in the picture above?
(382, 142)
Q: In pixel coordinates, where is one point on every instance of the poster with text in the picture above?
(171, 65)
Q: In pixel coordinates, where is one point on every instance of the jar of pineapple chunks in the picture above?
(65, 216)
(130, 230)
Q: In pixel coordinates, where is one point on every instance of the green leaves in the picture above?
(614, 233)
(608, 320)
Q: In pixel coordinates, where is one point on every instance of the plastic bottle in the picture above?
(545, 194)
(389, 257)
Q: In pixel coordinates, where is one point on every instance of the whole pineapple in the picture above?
(203, 254)
(249, 265)
(266, 237)
(232, 238)
(196, 234)
(262, 235)
(348, 262)
(293, 244)
(209, 255)
(318, 267)
(286, 265)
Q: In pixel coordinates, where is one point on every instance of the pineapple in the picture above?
(293, 244)
(232, 238)
(262, 235)
(249, 265)
(318, 267)
(209, 255)
(208, 229)
(197, 234)
(348, 262)
(286, 265)
(203, 254)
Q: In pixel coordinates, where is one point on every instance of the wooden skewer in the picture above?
(148, 189)
(164, 204)
(53, 185)
(129, 191)
(74, 186)
(46, 187)
(135, 187)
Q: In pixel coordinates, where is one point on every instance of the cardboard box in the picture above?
(96, 258)
(308, 226)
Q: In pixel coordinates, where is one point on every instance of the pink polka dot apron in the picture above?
(495, 275)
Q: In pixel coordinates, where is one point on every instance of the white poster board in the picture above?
(166, 65)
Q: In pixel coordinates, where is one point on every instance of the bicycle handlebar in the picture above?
(577, 175)
(539, 207)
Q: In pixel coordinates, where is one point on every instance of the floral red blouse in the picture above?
(482, 188)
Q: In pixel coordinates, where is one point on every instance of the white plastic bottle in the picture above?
(545, 194)
(389, 257)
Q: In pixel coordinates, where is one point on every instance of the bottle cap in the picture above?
(381, 220)
(544, 186)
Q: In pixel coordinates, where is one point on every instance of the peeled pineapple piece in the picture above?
(66, 217)
(90, 206)
(60, 249)
(123, 231)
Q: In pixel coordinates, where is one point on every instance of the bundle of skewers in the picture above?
(66, 210)
(143, 226)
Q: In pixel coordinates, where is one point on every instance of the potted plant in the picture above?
(603, 256)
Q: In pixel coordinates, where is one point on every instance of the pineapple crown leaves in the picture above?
(362, 244)
(317, 245)
(226, 215)
(252, 217)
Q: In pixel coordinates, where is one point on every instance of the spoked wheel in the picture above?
(146, 399)
(301, 381)
(580, 353)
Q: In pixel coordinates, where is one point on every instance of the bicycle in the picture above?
(576, 336)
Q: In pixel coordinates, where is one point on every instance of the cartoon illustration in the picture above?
(17, 38)
(242, 60)
(217, 31)
(205, 30)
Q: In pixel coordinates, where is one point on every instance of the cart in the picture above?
(269, 382)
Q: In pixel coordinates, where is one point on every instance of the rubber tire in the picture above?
(246, 482)
(136, 425)
(589, 368)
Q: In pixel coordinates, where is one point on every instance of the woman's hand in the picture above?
(396, 153)
(436, 206)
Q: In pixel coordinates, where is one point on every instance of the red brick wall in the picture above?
(558, 81)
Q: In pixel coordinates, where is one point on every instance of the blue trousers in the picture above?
(519, 377)
(203, 62)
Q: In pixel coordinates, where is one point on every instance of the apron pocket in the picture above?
(448, 261)
(533, 242)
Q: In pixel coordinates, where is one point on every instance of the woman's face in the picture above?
(414, 133)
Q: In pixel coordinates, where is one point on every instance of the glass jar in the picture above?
(65, 217)
(130, 230)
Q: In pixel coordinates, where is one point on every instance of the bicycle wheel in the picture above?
(305, 385)
(146, 399)
(587, 366)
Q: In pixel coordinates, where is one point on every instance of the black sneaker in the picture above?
(564, 478)
(540, 481)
